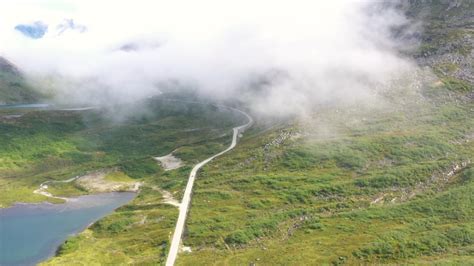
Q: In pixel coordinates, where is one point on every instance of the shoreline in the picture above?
(91, 208)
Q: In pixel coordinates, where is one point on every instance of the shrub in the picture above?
(71, 245)
(140, 168)
(349, 160)
(78, 157)
(118, 226)
(237, 238)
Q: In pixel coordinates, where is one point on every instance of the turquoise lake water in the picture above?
(30, 233)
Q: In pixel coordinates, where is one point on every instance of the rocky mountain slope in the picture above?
(447, 39)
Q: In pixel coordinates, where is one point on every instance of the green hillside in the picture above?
(13, 87)
(357, 186)
(391, 187)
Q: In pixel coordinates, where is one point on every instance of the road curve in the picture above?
(184, 206)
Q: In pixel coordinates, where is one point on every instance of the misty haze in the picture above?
(236, 132)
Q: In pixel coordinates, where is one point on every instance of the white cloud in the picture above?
(328, 50)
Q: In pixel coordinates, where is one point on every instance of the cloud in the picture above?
(280, 57)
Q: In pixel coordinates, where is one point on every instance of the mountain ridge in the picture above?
(13, 86)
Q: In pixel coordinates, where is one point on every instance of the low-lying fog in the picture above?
(280, 57)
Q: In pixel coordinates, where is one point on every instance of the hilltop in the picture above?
(13, 86)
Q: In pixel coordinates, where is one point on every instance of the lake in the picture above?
(25, 106)
(30, 233)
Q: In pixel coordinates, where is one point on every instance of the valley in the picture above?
(338, 140)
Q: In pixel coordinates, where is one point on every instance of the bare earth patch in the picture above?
(96, 182)
(42, 191)
(168, 197)
(169, 162)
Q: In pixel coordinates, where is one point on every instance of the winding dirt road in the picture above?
(184, 206)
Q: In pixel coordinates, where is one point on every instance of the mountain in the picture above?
(13, 87)
(447, 39)
(391, 184)
(8, 68)
(346, 186)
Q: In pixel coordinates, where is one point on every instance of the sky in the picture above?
(280, 57)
